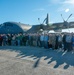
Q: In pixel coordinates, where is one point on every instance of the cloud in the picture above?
(69, 1)
(55, 1)
(66, 6)
(67, 10)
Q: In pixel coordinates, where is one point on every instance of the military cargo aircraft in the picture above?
(54, 26)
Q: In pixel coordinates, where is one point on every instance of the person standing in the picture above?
(69, 42)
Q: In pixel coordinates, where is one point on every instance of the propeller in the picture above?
(62, 17)
(69, 17)
(44, 20)
(65, 21)
(39, 20)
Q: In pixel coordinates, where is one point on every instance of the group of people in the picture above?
(63, 41)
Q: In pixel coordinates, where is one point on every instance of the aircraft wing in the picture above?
(61, 25)
(54, 26)
(34, 29)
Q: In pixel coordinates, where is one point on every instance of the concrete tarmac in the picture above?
(20, 60)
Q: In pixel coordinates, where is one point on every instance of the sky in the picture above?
(28, 11)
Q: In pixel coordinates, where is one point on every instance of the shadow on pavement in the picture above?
(59, 57)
